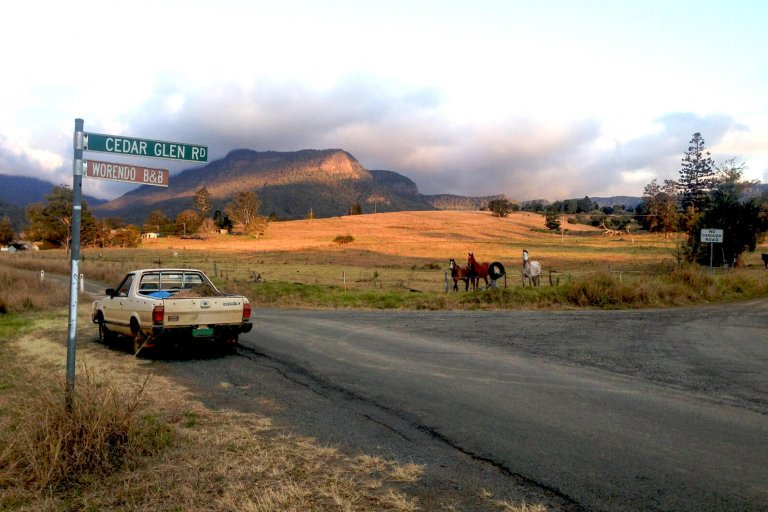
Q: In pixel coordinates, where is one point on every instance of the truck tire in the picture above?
(105, 335)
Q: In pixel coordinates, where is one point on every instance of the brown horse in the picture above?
(477, 271)
(459, 274)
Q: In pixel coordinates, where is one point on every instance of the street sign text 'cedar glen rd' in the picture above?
(144, 147)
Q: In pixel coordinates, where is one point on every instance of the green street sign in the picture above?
(144, 147)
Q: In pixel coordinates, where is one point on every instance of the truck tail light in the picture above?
(246, 311)
(158, 312)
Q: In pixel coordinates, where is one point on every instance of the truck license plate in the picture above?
(202, 331)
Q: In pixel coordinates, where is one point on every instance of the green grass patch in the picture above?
(12, 326)
(307, 295)
(606, 290)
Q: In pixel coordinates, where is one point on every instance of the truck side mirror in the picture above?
(111, 292)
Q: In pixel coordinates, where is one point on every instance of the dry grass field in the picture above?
(405, 249)
(403, 237)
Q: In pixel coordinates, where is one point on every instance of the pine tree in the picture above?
(697, 175)
(202, 202)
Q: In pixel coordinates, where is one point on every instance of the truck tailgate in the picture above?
(203, 311)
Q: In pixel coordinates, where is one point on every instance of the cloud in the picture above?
(626, 167)
(19, 158)
(398, 127)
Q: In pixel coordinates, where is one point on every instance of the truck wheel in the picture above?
(105, 335)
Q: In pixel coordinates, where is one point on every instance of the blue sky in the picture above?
(549, 99)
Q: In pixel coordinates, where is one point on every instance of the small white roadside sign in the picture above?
(711, 236)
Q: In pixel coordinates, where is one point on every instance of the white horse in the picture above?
(532, 272)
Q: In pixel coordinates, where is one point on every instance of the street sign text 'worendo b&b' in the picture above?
(126, 172)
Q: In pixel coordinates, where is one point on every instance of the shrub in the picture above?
(599, 289)
(694, 277)
(344, 239)
(57, 445)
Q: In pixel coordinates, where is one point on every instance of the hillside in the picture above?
(23, 190)
(379, 238)
(290, 185)
(17, 192)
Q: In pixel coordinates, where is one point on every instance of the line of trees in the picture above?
(49, 223)
(241, 213)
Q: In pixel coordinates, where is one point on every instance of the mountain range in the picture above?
(24, 190)
(290, 185)
(17, 192)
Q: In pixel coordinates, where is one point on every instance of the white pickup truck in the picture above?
(156, 305)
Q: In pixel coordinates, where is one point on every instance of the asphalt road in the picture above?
(605, 410)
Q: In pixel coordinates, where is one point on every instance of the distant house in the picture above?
(150, 235)
(18, 246)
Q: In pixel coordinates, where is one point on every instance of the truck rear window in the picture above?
(166, 283)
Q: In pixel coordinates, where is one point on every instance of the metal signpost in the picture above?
(77, 184)
(711, 236)
(117, 172)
